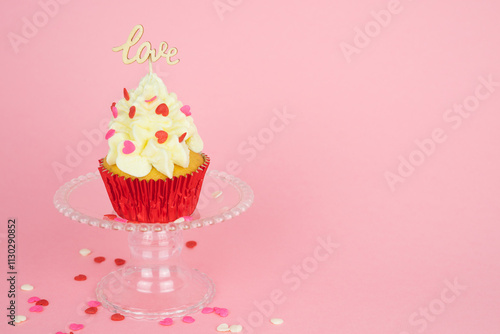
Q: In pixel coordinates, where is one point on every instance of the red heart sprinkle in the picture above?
(162, 109)
(131, 113)
(80, 277)
(117, 317)
(91, 310)
(42, 302)
(110, 217)
(162, 136)
(191, 244)
(181, 138)
(99, 259)
(119, 262)
(125, 94)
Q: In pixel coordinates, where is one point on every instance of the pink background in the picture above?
(322, 175)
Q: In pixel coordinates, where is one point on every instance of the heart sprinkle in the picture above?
(162, 136)
(188, 320)
(99, 259)
(166, 322)
(114, 110)
(33, 300)
(20, 318)
(186, 110)
(151, 99)
(131, 113)
(85, 251)
(223, 328)
(277, 321)
(192, 244)
(120, 219)
(109, 134)
(235, 328)
(188, 218)
(224, 312)
(119, 262)
(27, 287)
(125, 94)
(76, 327)
(110, 217)
(91, 310)
(162, 109)
(207, 310)
(128, 147)
(80, 277)
(94, 303)
(36, 308)
(181, 138)
(117, 317)
(42, 302)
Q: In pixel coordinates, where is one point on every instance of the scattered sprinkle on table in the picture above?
(117, 317)
(188, 320)
(27, 287)
(91, 310)
(36, 308)
(207, 310)
(119, 262)
(33, 299)
(191, 244)
(20, 318)
(223, 328)
(94, 303)
(166, 322)
(99, 259)
(276, 321)
(223, 312)
(235, 328)
(76, 327)
(85, 251)
(42, 302)
(80, 277)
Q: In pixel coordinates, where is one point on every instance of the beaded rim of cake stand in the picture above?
(62, 205)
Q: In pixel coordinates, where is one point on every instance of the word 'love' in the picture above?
(145, 50)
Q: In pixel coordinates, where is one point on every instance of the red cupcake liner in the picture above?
(150, 201)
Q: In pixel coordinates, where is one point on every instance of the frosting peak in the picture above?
(149, 129)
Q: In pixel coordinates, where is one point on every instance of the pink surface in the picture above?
(362, 108)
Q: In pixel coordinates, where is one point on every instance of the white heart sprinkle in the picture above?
(179, 220)
(276, 321)
(26, 287)
(216, 194)
(236, 328)
(85, 251)
(19, 318)
(223, 328)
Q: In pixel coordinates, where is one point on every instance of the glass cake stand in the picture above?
(154, 283)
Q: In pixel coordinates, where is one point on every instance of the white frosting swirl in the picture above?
(142, 128)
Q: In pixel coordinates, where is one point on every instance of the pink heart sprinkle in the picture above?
(187, 319)
(60, 333)
(188, 218)
(109, 134)
(128, 147)
(33, 300)
(120, 219)
(207, 310)
(217, 310)
(223, 312)
(167, 322)
(186, 110)
(93, 303)
(75, 327)
(114, 111)
(36, 308)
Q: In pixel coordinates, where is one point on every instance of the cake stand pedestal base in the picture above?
(155, 284)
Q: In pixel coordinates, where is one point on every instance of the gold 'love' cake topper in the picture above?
(145, 50)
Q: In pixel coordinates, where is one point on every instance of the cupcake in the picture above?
(154, 168)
